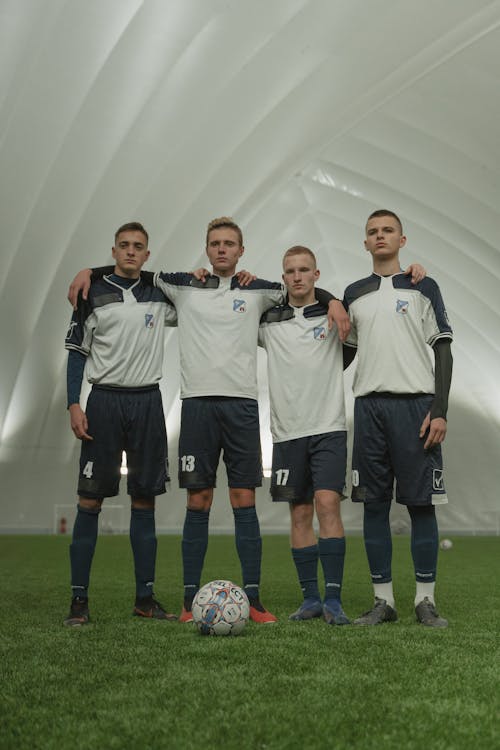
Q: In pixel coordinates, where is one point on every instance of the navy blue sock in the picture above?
(306, 563)
(194, 547)
(82, 547)
(424, 541)
(249, 547)
(332, 555)
(378, 541)
(144, 544)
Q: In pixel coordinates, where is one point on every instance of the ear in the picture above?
(242, 250)
(113, 251)
(402, 241)
(366, 247)
(316, 274)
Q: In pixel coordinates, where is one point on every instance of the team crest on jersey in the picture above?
(239, 305)
(149, 320)
(437, 480)
(319, 333)
(402, 306)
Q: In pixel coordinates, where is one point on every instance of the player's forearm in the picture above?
(443, 369)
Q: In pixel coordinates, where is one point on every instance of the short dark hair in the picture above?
(132, 226)
(385, 212)
(300, 250)
(221, 223)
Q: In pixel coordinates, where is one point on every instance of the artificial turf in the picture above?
(124, 682)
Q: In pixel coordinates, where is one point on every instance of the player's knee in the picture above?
(327, 505)
(241, 497)
(421, 511)
(200, 499)
(90, 504)
(143, 503)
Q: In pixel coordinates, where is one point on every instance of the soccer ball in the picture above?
(220, 608)
(446, 544)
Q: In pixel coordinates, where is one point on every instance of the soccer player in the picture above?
(218, 323)
(218, 330)
(306, 388)
(399, 414)
(117, 335)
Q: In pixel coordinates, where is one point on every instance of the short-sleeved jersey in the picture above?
(393, 323)
(218, 325)
(304, 363)
(122, 333)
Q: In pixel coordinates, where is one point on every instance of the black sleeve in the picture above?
(348, 354)
(74, 376)
(323, 297)
(98, 273)
(443, 368)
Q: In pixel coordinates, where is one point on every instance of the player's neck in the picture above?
(123, 275)
(225, 274)
(386, 266)
(302, 301)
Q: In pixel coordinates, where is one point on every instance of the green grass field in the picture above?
(123, 682)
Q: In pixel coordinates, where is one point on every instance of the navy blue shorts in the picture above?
(129, 420)
(212, 424)
(305, 465)
(387, 448)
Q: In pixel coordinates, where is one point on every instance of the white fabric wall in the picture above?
(296, 117)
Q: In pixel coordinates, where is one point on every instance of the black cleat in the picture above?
(381, 612)
(78, 613)
(308, 610)
(333, 613)
(427, 614)
(148, 607)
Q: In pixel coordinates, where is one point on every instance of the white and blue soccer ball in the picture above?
(445, 544)
(220, 608)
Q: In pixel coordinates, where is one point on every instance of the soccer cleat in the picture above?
(148, 607)
(427, 615)
(259, 614)
(78, 613)
(308, 610)
(186, 615)
(333, 613)
(381, 612)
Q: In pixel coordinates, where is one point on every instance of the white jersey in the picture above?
(122, 333)
(305, 371)
(218, 325)
(393, 324)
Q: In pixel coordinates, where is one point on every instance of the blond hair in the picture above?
(225, 222)
(299, 250)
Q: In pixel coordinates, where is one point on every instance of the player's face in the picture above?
(299, 275)
(383, 237)
(224, 250)
(130, 254)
